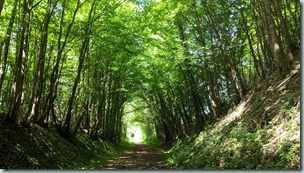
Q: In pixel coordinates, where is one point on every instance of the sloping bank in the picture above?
(38, 148)
(263, 131)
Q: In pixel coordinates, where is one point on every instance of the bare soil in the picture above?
(139, 157)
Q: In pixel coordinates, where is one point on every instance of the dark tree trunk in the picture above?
(19, 73)
(6, 43)
(38, 83)
(276, 43)
(1, 6)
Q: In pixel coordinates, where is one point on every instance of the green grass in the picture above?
(38, 148)
(267, 137)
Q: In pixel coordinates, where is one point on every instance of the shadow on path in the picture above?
(139, 157)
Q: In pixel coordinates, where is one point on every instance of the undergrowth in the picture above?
(253, 135)
(38, 148)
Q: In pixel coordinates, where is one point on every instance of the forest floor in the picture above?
(140, 156)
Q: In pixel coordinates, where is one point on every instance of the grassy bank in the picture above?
(262, 132)
(38, 148)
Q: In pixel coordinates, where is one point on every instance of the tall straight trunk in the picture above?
(118, 116)
(116, 109)
(60, 48)
(249, 39)
(237, 79)
(213, 96)
(295, 19)
(189, 78)
(83, 51)
(277, 48)
(38, 83)
(108, 106)
(286, 35)
(19, 74)
(102, 104)
(6, 43)
(118, 133)
(100, 112)
(260, 43)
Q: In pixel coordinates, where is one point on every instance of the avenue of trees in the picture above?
(74, 64)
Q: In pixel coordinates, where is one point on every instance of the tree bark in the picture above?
(277, 48)
(83, 52)
(38, 83)
(19, 74)
(286, 35)
(6, 43)
(249, 39)
(61, 46)
(188, 77)
(213, 96)
(238, 81)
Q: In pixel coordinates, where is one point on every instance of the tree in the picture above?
(76, 65)
(39, 82)
(21, 57)
(277, 47)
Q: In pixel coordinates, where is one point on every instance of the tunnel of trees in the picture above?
(85, 64)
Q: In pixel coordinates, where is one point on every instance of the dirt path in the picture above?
(139, 157)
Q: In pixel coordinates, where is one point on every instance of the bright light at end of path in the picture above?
(135, 134)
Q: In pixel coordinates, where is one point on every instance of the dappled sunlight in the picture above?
(258, 133)
(284, 131)
(126, 84)
(139, 157)
(238, 111)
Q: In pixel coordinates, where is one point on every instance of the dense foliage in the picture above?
(202, 57)
(180, 65)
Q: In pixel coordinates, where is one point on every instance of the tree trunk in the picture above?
(38, 83)
(237, 79)
(6, 43)
(277, 48)
(188, 75)
(296, 20)
(19, 74)
(83, 52)
(78, 123)
(1, 6)
(249, 39)
(213, 96)
(285, 31)
(61, 46)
